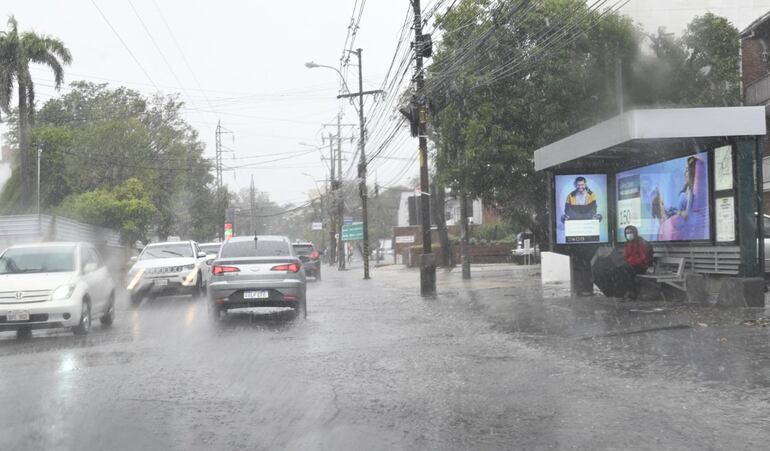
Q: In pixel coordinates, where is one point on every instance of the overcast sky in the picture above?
(246, 68)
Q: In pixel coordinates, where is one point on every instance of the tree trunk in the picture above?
(24, 169)
(464, 241)
(439, 198)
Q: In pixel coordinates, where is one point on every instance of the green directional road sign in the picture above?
(353, 232)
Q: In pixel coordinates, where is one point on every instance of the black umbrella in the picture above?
(610, 275)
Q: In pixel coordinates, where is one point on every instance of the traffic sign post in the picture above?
(353, 232)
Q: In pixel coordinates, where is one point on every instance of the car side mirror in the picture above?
(202, 254)
(89, 268)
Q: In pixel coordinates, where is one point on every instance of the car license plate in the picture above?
(17, 315)
(261, 294)
(161, 282)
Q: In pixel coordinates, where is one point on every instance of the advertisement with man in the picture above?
(667, 201)
(581, 208)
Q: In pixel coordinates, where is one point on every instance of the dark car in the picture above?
(311, 259)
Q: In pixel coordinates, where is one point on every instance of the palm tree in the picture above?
(17, 52)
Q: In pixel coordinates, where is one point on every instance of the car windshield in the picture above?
(303, 249)
(255, 248)
(210, 249)
(38, 260)
(174, 250)
(389, 224)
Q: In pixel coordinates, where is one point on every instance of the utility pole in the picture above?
(427, 259)
(362, 161)
(220, 149)
(252, 207)
(337, 187)
(218, 134)
(332, 222)
(340, 196)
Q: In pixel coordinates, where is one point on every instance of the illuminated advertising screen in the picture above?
(581, 209)
(667, 201)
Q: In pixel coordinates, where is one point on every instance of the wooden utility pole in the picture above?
(427, 259)
(362, 161)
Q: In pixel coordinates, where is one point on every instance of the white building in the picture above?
(409, 210)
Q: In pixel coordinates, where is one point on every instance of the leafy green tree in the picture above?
(127, 208)
(94, 137)
(495, 96)
(699, 68)
(17, 52)
(506, 80)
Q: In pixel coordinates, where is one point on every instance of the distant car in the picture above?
(311, 259)
(384, 250)
(257, 271)
(54, 285)
(169, 268)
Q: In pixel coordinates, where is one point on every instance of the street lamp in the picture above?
(313, 65)
(336, 185)
(362, 144)
(39, 154)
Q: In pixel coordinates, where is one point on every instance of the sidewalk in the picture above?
(707, 345)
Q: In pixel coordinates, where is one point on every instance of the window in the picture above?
(254, 248)
(38, 260)
(168, 250)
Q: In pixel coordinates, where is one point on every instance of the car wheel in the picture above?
(216, 313)
(23, 333)
(136, 299)
(109, 316)
(200, 289)
(301, 308)
(85, 319)
(318, 274)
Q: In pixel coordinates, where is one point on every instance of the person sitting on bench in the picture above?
(637, 255)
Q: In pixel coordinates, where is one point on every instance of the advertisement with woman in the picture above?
(667, 201)
(581, 208)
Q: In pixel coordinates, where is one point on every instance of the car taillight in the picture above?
(314, 255)
(219, 270)
(291, 267)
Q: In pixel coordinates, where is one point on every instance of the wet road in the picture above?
(483, 366)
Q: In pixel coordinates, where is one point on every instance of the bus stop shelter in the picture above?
(690, 179)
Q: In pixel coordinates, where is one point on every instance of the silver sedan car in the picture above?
(257, 271)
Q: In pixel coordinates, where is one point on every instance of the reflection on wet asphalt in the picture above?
(483, 366)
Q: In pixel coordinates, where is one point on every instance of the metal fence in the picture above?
(19, 229)
(24, 229)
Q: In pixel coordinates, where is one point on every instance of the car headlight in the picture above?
(189, 267)
(63, 292)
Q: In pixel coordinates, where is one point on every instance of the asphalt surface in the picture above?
(494, 363)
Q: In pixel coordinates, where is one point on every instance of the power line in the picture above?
(128, 49)
(160, 52)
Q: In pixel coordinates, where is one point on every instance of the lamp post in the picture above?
(39, 154)
(362, 142)
(336, 185)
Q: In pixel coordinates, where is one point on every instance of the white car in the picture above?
(54, 285)
(169, 268)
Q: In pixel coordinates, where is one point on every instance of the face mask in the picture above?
(630, 236)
